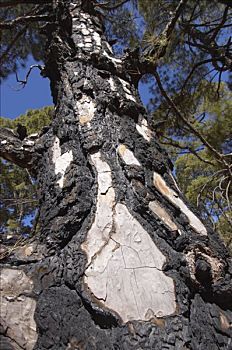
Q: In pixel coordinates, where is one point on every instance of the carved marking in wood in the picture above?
(173, 197)
(61, 161)
(124, 268)
(17, 309)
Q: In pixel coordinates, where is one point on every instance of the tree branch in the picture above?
(217, 29)
(170, 142)
(24, 82)
(226, 2)
(177, 112)
(18, 200)
(198, 64)
(159, 50)
(206, 42)
(25, 19)
(171, 25)
(9, 47)
(105, 6)
(21, 2)
(16, 151)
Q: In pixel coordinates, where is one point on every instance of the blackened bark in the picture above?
(121, 262)
(17, 150)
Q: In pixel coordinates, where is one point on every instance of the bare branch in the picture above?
(219, 84)
(220, 54)
(106, 6)
(19, 200)
(24, 82)
(227, 194)
(190, 149)
(25, 19)
(211, 177)
(21, 2)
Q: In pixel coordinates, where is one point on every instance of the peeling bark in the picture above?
(17, 310)
(121, 262)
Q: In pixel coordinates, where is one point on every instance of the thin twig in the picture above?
(201, 191)
(214, 22)
(25, 19)
(17, 36)
(221, 181)
(21, 2)
(214, 194)
(220, 25)
(105, 6)
(191, 150)
(18, 200)
(219, 84)
(227, 194)
(193, 69)
(24, 82)
(218, 155)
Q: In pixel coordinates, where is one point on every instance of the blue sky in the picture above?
(35, 94)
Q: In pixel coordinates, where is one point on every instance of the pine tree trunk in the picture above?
(121, 261)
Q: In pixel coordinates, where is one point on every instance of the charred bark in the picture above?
(122, 262)
(16, 149)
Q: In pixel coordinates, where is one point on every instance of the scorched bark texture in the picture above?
(121, 261)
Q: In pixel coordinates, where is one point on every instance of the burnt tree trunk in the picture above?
(121, 261)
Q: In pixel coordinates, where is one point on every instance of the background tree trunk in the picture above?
(121, 261)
